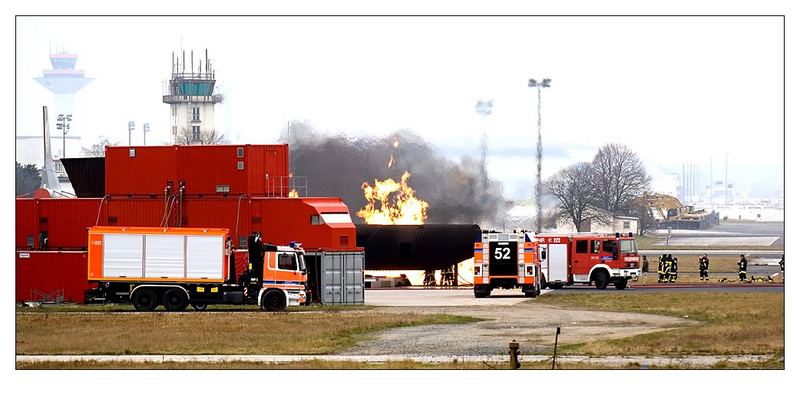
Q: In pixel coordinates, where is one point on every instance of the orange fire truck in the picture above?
(507, 261)
(178, 267)
(587, 258)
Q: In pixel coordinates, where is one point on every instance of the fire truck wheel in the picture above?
(601, 279)
(273, 300)
(199, 306)
(480, 292)
(621, 284)
(175, 299)
(144, 300)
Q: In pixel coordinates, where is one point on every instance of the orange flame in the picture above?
(293, 194)
(398, 205)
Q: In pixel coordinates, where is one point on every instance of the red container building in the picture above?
(258, 170)
(243, 188)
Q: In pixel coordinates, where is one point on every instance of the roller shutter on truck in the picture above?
(121, 254)
(554, 258)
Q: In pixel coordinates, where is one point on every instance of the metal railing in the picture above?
(286, 186)
(37, 295)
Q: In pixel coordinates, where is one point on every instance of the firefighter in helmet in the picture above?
(673, 275)
(661, 260)
(704, 267)
(667, 268)
(742, 263)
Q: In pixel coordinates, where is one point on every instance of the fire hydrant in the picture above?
(513, 354)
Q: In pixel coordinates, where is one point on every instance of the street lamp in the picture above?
(63, 125)
(145, 129)
(545, 83)
(131, 126)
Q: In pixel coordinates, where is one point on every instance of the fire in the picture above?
(293, 194)
(398, 205)
(391, 161)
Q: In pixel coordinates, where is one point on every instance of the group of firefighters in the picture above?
(668, 269)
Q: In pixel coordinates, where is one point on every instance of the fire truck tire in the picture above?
(199, 306)
(175, 299)
(600, 278)
(621, 284)
(144, 300)
(481, 292)
(273, 300)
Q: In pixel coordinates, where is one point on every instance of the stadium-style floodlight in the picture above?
(131, 127)
(63, 125)
(533, 83)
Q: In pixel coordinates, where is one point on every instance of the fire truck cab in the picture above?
(506, 261)
(588, 258)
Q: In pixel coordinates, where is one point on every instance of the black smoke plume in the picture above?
(338, 166)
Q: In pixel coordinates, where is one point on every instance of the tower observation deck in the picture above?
(190, 95)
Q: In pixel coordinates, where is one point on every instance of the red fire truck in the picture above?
(587, 258)
(506, 261)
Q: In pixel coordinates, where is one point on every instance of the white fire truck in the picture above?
(507, 261)
(588, 258)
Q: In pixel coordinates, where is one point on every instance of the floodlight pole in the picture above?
(545, 83)
(131, 126)
(63, 125)
(145, 129)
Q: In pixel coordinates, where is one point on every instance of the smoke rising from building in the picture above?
(338, 166)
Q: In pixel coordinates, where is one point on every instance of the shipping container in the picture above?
(27, 225)
(336, 277)
(139, 170)
(204, 170)
(62, 221)
(51, 276)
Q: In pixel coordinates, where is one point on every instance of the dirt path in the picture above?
(531, 324)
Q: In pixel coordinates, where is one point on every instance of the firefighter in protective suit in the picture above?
(673, 274)
(661, 260)
(742, 263)
(667, 268)
(704, 268)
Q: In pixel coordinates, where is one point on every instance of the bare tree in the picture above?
(618, 177)
(98, 149)
(572, 186)
(29, 178)
(187, 137)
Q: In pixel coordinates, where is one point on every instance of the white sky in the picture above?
(673, 89)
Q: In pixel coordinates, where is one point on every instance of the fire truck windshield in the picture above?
(628, 246)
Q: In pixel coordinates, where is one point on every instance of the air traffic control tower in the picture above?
(64, 81)
(190, 95)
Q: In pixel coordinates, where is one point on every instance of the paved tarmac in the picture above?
(440, 297)
(703, 361)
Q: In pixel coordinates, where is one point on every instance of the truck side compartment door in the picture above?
(557, 260)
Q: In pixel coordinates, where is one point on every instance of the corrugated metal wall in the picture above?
(49, 274)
